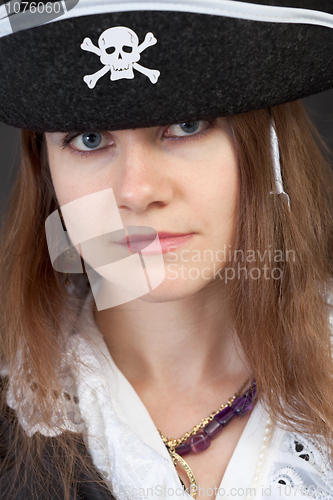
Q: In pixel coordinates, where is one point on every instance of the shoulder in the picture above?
(13, 469)
(300, 465)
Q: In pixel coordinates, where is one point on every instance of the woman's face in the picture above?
(178, 179)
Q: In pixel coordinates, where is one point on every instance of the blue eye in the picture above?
(88, 141)
(92, 140)
(188, 128)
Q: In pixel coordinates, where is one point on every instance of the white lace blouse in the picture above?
(126, 448)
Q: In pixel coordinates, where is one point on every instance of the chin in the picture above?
(169, 291)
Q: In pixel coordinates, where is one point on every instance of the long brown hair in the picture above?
(282, 324)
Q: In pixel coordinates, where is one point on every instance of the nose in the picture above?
(142, 183)
(119, 56)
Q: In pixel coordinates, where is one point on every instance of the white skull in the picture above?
(119, 47)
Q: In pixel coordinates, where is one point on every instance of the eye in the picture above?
(187, 129)
(110, 50)
(89, 141)
(127, 49)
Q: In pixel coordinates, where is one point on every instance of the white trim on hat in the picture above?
(275, 154)
(227, 8)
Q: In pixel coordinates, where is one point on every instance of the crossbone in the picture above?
(119, 51)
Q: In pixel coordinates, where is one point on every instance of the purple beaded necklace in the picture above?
(211, 427)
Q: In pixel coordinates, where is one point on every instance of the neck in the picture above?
(159, 344)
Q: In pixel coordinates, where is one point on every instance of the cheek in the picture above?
(72, 179)
(66, 191)
(217, 196)
(70, 182)
(60, 175)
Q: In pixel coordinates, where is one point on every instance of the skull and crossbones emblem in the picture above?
(119, 51)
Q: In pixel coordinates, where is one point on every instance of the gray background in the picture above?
(320, 107)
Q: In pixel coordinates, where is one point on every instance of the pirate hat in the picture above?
(116, 64)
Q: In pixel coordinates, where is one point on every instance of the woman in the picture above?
(180, 268)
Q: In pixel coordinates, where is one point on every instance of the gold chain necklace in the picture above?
(171, 444)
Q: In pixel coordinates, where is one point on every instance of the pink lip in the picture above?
(167, 242)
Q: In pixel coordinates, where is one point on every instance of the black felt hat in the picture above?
(106, 64)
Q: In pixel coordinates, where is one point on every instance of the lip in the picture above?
(149, 236)
(146, 242)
